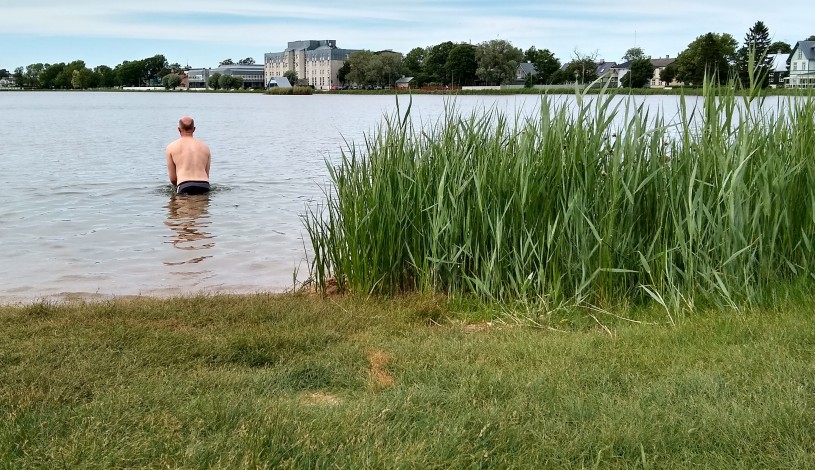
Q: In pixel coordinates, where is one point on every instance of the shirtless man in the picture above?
(188, 161)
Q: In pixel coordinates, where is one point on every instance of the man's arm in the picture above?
(171, 167)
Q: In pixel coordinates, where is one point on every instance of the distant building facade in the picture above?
(802, 65)
(252, 75)
(778, 68)
(659, 66)
(317, 62)
(523, 70)
(620, 70)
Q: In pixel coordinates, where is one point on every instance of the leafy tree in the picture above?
(640, 73)
(710, 53)
(246, 61)
(369, 68)
(214, 81)
(129, 73)
(386, 68)
(780, 47)
(582, 68)
(31, 77)
(19, 77)
(756, 42)
(545, 62)
(560, 76)
(811, 38)
(62, 76)
(225, 62)
(82, 78)
(497, 60)
(360, 63)
(225, 81)
(414, 65)
(342, 73)
(635, 53)
(50, 77)
(67, 79)
(529, 81)
(154, 68)
(141, 72)
(291, 75)
(435, 62)
(175, 67)
(668, 74)
(4, 73)
(228, 82)
(105, 76)
(461, 64)
(171, 81)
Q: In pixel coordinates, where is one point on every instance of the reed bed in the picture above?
(590, 202)
(295, 90)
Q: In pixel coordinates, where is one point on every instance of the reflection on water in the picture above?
(188, 218)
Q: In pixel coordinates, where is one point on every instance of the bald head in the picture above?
(186, 125)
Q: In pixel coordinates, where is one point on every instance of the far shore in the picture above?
(560, 90)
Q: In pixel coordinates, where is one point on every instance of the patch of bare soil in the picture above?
(380, 376)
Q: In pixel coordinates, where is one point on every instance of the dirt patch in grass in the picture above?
(380, 376)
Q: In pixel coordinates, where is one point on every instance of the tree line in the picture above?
(76, 75)
(493, 62)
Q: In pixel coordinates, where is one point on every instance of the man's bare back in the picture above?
(188, 160)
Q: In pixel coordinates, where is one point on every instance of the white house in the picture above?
(620, 70)
(802, 65)
(778, 68)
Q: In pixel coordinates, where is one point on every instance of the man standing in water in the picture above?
(188, 160)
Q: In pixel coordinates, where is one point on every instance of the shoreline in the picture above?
(169, 294)
(792, 92)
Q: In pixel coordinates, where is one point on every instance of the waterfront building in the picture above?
(316, 62)
(778, 68)
(802, 65)
(251, 74)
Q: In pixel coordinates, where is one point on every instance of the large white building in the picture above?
(802, 65)
(318, 62)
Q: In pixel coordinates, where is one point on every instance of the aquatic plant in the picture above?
(597, 201)
(295, 90)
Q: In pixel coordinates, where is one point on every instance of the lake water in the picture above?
(86, 209)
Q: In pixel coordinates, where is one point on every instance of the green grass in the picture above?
(294, 381)
(596, 202)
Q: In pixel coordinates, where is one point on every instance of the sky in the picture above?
(201, 33)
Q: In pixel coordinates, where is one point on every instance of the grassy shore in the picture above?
(302, 382)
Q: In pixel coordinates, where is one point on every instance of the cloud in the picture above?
(609, 28)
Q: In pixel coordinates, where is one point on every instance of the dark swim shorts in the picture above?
(193, 187)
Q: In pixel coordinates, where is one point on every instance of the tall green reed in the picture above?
(594, 201)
